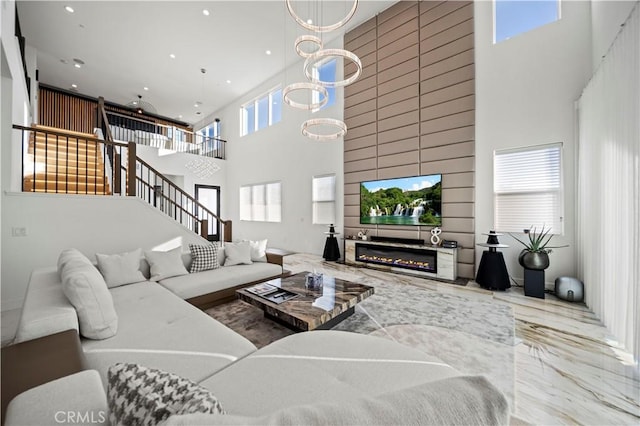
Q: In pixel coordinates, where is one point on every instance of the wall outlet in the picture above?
(19, 232)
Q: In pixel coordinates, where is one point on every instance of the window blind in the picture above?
(528, 189)
(261, 202)
(324, 199)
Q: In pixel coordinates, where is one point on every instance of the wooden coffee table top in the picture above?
(311, 308)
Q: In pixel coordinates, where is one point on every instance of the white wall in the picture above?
(281, 153)
(91, 224)
(606, 18)
(525, 92)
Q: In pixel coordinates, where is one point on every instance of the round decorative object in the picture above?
(435, 236)
(342, 128)
(324, 95)
(569, 289)
(320, 28)
(320, 55)
(307, 39)
(537, 260)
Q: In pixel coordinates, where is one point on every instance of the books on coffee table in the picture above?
(271, 293)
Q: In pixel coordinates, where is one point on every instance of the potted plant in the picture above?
(535, 255)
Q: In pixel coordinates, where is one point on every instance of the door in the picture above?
(209, 197)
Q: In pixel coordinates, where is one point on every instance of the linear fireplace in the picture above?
(398, 257)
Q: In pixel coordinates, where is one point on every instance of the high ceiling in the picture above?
(126, 46)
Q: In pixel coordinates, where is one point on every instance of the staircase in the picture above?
(62, 161)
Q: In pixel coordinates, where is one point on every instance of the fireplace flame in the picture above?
(407, 263)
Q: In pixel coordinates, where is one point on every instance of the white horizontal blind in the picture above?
(261, 202)
(324, 199)
(527, 187)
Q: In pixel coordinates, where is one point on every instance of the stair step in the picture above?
(63, 161)
(62, 150)
(63, 170)
(62, 187)
(51, 177)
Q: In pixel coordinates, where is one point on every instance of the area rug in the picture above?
(474, 335)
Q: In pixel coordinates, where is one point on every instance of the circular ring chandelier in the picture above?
(321, 28)
(313, 122)
(324, 95)
(307, 39)
(311, 61)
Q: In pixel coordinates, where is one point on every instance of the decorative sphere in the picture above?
(569, 289)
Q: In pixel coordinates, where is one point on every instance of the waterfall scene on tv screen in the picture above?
(405, 201)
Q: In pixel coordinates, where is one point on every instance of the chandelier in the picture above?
(311, 48)
(140, 106)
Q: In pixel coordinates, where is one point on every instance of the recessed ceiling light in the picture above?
(268, 52)
(172, 56)
(180, 116)
(75, 86)
(309, 21)
(228, 81)
(205, 12)
(69, 9)
(198, 113)
(77, 65)
(145, 88)
(197, 104)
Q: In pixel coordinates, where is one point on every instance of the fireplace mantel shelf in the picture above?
(442, 262)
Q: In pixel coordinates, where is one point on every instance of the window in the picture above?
(261, 112)
(513, 17)
(261, 202)
(324, 199)
(527, 186)
(326, 71)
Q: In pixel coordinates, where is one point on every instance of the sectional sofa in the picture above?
(319, 377)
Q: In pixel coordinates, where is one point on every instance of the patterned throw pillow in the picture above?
(139, 395)
(204, 257)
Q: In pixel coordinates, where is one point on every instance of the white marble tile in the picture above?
(567, 369)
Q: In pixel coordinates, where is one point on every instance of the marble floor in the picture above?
(567, 368)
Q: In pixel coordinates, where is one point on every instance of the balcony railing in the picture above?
(129, 129)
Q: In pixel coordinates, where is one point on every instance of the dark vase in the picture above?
(537, 261)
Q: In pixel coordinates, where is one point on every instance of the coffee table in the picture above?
(310, 309)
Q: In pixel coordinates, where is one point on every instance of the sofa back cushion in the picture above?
(120, 269)
(165, 264)
(88, 293)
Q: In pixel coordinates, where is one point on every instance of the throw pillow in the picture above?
(68, 255)
(165, 264)
(88, 293)
(237, 253)
(258, 250)
(203, 257)
(139, 395)
(120, 269)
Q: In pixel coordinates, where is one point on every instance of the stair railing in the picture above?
(56, 161)
(152, 186)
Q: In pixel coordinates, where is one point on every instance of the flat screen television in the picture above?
(413, 200)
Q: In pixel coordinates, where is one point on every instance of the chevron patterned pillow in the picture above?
(204, 257)
(139, 395)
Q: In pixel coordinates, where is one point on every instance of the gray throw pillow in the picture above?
(120, 269)
(139, 395)
(238, 253)
(203, 257)
(165, 264)
(88, 293)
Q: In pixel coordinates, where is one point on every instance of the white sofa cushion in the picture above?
(88, 293)
(351, 365)
(61, 401)
(258, 250)
(120, 269)
(165, 264)
(193, 285)
(238, 253)
(46, 310)
(463, 400)
(158, 330)
(147, 396)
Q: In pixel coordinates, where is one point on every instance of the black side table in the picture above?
(331, 249)
(492, 272)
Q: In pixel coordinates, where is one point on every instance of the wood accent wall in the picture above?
(412, 112)
(64, 111)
